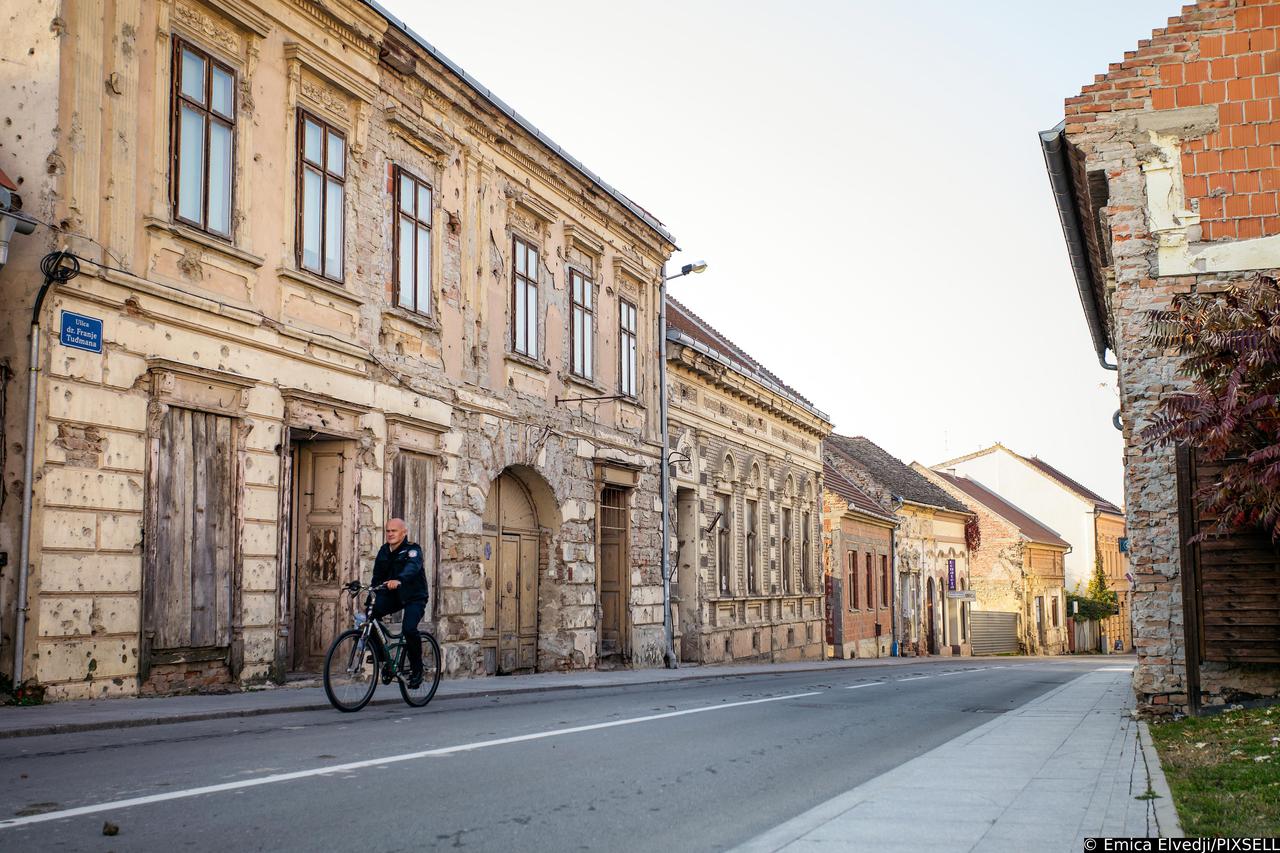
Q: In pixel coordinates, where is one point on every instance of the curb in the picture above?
(1167, 824)
(201, 716)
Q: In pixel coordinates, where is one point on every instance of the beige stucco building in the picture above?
(1016, 569)
(746, 484)
(930, 557)
(337, 281)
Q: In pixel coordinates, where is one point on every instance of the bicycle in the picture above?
(369, 651)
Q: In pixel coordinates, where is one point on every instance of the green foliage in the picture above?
(1090, 608)
(1097, 588)
(1230, 349)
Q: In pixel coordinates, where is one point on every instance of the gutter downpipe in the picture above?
(668, 628)
(52, 273)
(1053, 143)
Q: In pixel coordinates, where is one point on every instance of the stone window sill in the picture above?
(204, 241)
(526, 361)
(430, 324)
(320, 283)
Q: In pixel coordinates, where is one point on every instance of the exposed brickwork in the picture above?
(197, 677)
(1102, 129)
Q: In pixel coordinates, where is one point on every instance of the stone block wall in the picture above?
(1181, 134)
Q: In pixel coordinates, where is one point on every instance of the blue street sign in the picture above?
(81, 332)
(951, 574)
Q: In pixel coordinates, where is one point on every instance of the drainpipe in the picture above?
(54, 273)
(668, 627)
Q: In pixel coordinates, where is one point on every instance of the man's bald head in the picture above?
(397, 532)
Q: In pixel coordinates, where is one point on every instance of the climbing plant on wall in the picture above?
(1229, 343)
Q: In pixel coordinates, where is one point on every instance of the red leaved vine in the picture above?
(1230, 344)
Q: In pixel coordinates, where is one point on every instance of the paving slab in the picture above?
(1069, 765)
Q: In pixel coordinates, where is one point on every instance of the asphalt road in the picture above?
(689, 765)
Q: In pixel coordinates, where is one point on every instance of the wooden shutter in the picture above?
(1231, 583)
(188, 589)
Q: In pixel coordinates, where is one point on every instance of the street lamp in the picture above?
(669, 653)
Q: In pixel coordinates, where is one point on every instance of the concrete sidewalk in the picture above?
(90, 715)
(1069, 765)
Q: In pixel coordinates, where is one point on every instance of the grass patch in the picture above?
(1224, 771)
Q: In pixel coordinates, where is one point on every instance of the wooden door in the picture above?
(188, 599)
(510, 565)
(413, 499)
(321, 547)
(613, 570)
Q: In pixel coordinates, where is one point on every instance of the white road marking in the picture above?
(915, 678)
(963, 671)
(375, 762)
(868, 684)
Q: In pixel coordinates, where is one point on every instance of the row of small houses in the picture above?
(320, 277)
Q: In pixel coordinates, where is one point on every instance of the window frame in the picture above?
(209, 114)
(750, 522)
(531, 283)
(586, 308)
(724, 543)
(851, 578)
(884, 580)
(871, 580)
(628, 349)
(399, 175)
(788, 521)
(303, 163)
(806, 558)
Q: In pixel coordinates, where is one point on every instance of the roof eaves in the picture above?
(1053, 144)
(524, 123)
(679, 337)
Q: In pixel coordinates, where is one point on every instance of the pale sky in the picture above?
(864, 180)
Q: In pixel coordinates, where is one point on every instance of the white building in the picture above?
(1081, 516)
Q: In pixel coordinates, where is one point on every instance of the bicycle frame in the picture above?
(388, 648)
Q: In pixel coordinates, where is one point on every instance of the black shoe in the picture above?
(415, 681)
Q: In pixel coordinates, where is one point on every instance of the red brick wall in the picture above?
(1222, 53)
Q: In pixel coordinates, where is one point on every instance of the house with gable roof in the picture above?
(1093, 525)
(857, 544)
(1015, 572)
(930, 556)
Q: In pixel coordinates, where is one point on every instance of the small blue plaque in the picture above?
(81, 332)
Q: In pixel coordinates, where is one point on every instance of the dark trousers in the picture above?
(413, 613)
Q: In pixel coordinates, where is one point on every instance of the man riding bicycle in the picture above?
(399, 566)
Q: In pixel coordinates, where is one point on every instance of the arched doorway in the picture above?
(510, 560)
(930, 621)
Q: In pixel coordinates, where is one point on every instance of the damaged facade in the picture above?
(338, 282)
(930, 557)
(1165, 176)
(1016, 571)
(857, 540)
(746, 486)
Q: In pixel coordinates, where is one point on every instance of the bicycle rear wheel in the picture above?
(350, 672)
(422, 694)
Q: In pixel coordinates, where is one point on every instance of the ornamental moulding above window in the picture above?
(316, 81)
(420, 134)
(528, 212)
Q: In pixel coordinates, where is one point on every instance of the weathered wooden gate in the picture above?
(189, 581)
(322, 538)
(1230, 583)
(511, 575)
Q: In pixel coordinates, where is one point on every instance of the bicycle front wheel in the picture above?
(350, 672)
(421, 695)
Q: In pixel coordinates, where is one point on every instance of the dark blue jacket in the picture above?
(405, 565)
